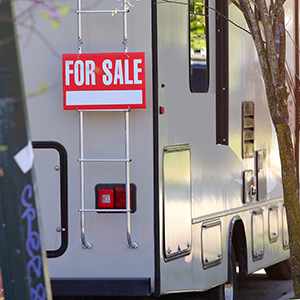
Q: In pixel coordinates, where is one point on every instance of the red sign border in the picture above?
(105, 106)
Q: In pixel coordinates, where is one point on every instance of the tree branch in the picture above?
(279, 16)
(209, 7)
(262, 55)
(279, 85)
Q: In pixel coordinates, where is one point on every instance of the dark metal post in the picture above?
(23, 259)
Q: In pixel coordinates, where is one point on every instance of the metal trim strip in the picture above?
(238, 210)
(101, 287)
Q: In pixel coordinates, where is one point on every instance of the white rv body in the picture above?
(189, 188)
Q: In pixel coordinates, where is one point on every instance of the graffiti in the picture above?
(32, 245)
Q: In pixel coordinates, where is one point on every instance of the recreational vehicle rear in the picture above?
(156, 160)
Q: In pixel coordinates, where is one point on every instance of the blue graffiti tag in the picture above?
(34, 265)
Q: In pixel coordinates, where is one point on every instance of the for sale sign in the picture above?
(96, 81)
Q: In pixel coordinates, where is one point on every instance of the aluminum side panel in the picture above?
(41, 51)
(216, 171)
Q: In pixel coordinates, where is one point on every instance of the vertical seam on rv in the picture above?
(222, 85)
(155, 150)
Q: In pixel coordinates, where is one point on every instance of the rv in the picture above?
(156, 160)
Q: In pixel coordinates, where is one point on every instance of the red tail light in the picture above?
(120, 197)
(113, 196)
(106, 198)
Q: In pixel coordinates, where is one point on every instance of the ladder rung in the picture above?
(101, 11)
(104, 160)
(103, 210)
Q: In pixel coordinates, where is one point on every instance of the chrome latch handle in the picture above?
(252, 190)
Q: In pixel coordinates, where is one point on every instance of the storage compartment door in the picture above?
(257, 234)
(177, 201)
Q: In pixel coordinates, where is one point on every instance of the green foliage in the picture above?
(54, 11)
(197, 24)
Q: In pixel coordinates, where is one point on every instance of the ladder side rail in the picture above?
(131, 244)
(125, 22)
(84, 243)
(79, 27)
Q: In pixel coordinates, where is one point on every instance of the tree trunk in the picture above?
(291, 193)
(274, 78)
(23, 259)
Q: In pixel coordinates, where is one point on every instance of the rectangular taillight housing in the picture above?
(113, 196)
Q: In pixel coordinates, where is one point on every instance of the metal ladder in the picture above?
(82, 160)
